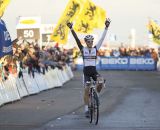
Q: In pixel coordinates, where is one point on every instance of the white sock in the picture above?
(86, 107)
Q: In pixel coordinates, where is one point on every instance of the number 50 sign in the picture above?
(29, 33)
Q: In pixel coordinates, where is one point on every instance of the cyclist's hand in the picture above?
(107, 22)
(70, 25)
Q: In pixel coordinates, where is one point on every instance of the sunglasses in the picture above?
(89, 42)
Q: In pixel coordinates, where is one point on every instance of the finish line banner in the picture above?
(123, 63)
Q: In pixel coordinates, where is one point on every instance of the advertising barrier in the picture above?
(1, 99)
(21, 87)
(123, 63)
(39, 78)
(31, 84)
(2, 94)
(158, 65)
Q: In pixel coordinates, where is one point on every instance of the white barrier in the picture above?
(158, 65)
(55, 78)
(30, 83)
(21, 87)
(11, 89)
(1, 95)
(64, 72)
(60, 75)
(52, 80)
(1, 99)
(15, 88)
(69, 72)
(49, 80)
(15, 92)
(41, 82)
(4, 93)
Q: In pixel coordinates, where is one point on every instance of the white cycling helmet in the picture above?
(89, 38)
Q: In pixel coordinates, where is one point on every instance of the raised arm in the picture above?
(107, 23)
(75, 36)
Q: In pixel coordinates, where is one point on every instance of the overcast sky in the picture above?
(125, 14)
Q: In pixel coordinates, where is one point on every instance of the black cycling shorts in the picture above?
(90, 72)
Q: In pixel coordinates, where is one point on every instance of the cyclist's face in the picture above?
(89, 44)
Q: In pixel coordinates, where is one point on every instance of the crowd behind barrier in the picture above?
(129, 51)
(31, 70)
(29, 57)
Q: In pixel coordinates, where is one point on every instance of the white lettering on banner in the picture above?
(121, 61)
(111, 61)
(7, 49)
(6, 36)
(148, 61)
(104, 61)
(115, 61)
(140, 61)
(133, 61)
(28, 33)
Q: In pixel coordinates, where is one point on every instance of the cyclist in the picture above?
(89, 54)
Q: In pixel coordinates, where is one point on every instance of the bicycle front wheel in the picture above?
(91, 108)
(95, 108)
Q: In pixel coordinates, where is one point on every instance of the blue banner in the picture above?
(5, 40)
(124, 63)
(127, 63)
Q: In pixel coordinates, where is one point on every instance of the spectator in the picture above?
(116, 53)
(154, 55)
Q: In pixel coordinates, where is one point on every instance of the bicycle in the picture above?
(94, 103)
